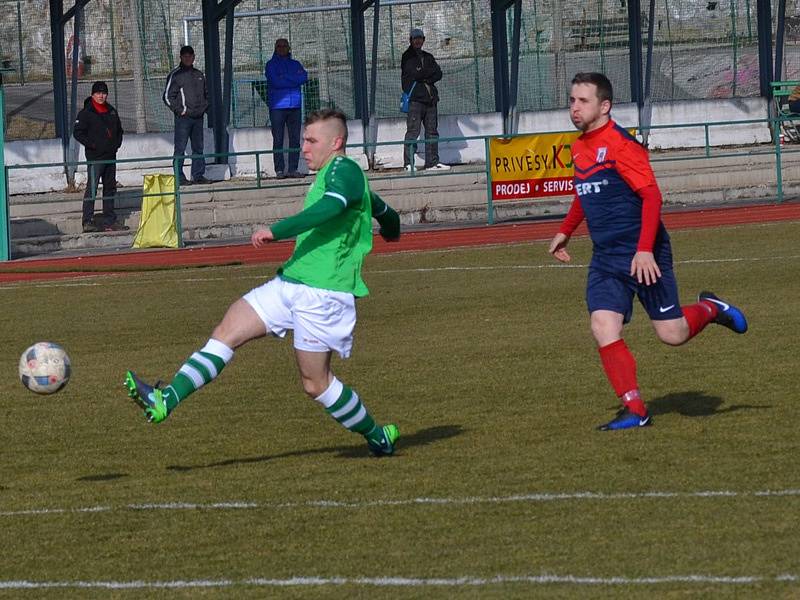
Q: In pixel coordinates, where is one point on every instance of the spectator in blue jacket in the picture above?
(285, 77)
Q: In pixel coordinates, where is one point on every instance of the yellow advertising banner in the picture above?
(531, 166)
(158, 223)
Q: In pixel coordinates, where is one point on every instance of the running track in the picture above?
(82, 266)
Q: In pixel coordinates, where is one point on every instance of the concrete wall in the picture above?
(709, 111)
(47, 179)
(694, 112)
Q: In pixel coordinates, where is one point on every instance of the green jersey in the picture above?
(330, 254)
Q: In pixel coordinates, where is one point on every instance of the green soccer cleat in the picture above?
(147, 397)
(386, 447)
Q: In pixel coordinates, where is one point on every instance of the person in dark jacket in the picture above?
(99, 130)
(186, 95)
(285, 78)
(419, 69)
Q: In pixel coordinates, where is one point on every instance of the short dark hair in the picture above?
(604, 89)
(186, 50)
(326, 114)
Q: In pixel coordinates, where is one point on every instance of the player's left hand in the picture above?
(645, 268)
(262, 237)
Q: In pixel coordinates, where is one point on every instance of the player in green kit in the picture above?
(313, 294)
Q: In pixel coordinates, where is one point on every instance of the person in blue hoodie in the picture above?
(285, 78)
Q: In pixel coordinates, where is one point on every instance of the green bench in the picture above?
(789, 120)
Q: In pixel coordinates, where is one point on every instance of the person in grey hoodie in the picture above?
(186, 95)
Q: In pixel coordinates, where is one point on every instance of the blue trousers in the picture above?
(288, 118)
(186, 129)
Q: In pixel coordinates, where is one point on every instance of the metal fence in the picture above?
(702, 49)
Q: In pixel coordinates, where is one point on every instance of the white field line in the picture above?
(463, 581)
(696, 261)
(443, 501)
(101, 280)
(91, 279)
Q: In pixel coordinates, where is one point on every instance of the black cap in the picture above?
(186, 50)
(99, 86)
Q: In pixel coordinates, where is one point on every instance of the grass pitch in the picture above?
(500, 488)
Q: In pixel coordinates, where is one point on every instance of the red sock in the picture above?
(620, 367)
(634, 403)
(699, 315)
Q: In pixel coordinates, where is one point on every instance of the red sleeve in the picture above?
(651, 217)
(633, 165)
(573, 218)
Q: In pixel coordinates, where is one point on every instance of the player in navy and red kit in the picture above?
(616, 191)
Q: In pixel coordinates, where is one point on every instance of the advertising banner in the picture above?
(531, 166)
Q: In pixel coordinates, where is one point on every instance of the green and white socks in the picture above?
(205, 365)
(344, 405)
(200, 368)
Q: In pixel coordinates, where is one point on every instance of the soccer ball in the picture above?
(44, 368)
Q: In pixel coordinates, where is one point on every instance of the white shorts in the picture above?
(322, 320)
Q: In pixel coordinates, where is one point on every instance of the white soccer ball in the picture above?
(44, 368)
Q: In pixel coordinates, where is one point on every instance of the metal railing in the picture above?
(707, 152)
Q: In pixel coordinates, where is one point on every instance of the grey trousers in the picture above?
(427, 116)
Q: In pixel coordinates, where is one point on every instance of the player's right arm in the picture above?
(344, 187)
(314, 215)
(558, 246)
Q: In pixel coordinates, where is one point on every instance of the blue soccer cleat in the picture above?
(390, 435)
(728, 316)
(625, 419)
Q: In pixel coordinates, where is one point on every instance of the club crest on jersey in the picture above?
(601, 154)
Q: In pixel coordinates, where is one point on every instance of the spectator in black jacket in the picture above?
(419, 69)
(99, 129)
(186, 95)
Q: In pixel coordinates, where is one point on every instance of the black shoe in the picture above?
(185, 182)
(202, 180)
(115, 227)
(295, 175)
(90, 227)
(280, 175)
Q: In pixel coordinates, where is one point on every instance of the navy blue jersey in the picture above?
(610, 168)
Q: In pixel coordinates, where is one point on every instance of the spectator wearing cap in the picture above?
(186, 95)
(419, 69)
(285, 78)
(98, 128)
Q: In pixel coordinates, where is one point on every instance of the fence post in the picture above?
(5, 233)
(177, 172)
(778, 168)
(489, 203)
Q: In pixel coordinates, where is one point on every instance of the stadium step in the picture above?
(230, 210)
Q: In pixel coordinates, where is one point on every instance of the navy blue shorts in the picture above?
(615, 291)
